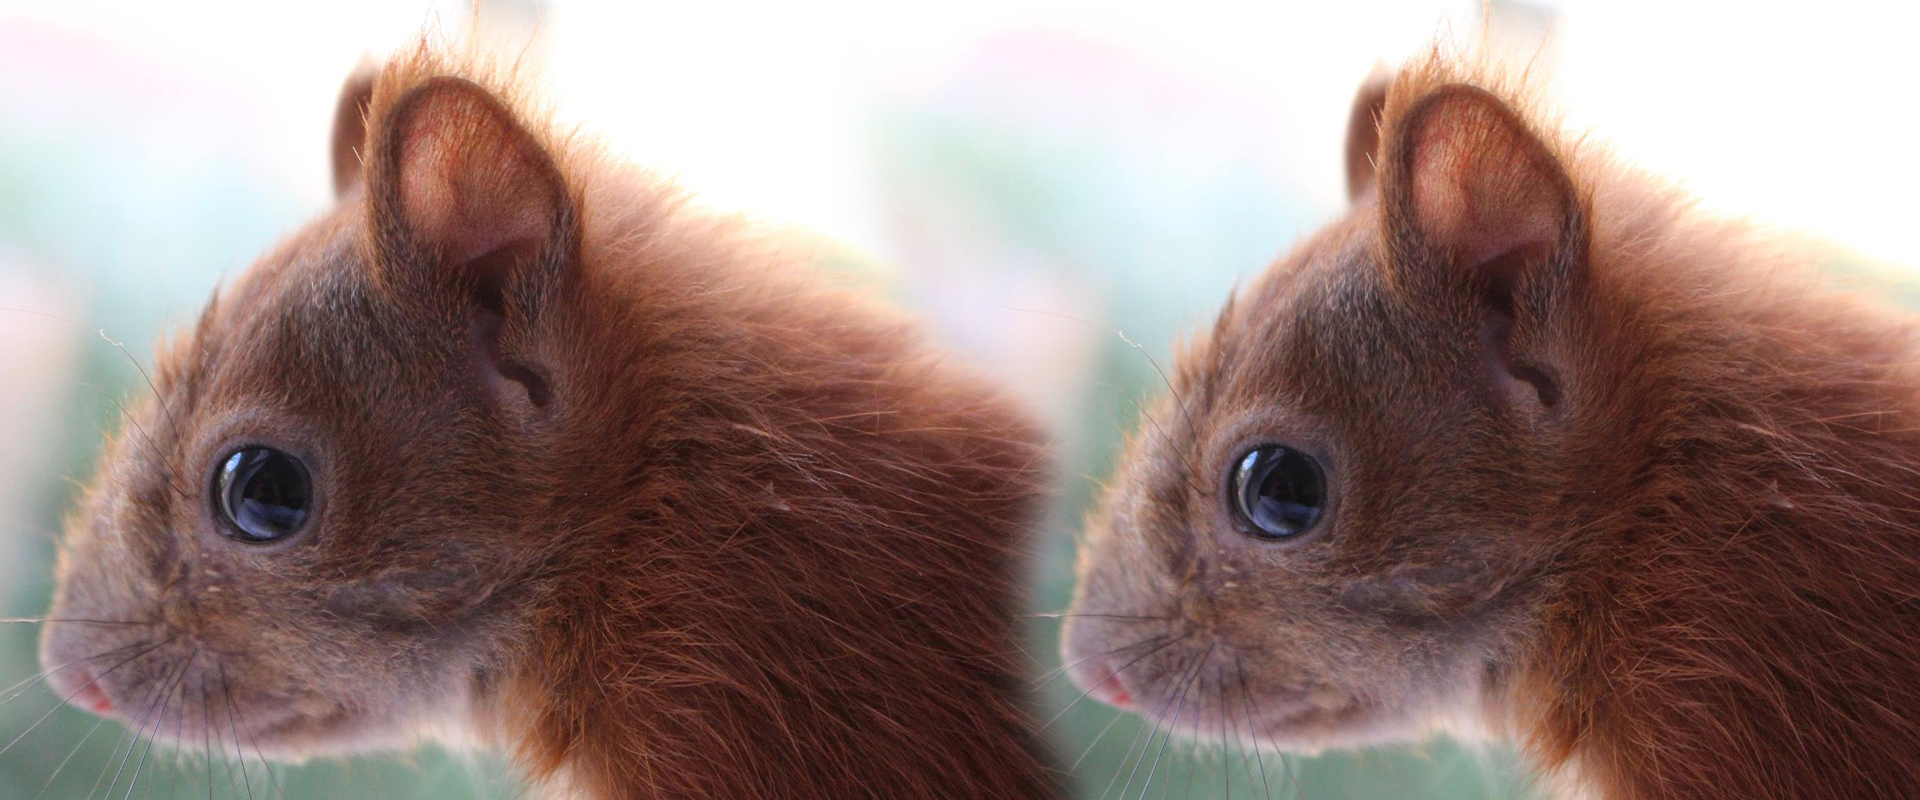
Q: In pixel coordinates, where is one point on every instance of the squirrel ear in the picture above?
(1472, 198)
(458, 186)
(467, 207)
(1363, 133)
(1466, 185)
(350, 127)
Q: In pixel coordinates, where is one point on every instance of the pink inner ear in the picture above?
(471, 181)
(1482, 186)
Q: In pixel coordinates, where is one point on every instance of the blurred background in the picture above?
(1029, 176)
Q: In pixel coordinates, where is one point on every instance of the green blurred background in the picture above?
(1028, 177)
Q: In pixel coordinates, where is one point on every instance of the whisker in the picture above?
(20, 689)
(1178, 400)
(1181, 401)
(1165, 439)
(76, 693)
(1127, 754)
(1252, 737)
(139, 732)
(1155, 729)
(152, 446)
(1226, 772)
(132, 742)
(206, 740)
(1117, 716)
(1055, 673)
(1192, 768)
(132, 738)
(273, 779)
(179, 728)
(227, 694)
(166, 699)
(1110, 675)
(1171, 725)
(1064, 614)
(226, 764)
(118, 346)
(70, 754)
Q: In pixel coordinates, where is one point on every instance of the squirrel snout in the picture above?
(81, 687)
(79, 670)
(1100, 679)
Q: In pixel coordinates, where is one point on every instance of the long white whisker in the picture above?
(70, 754)
(1171, 725)
(127, 735)
(1055, 673)
(1151, 732)
(1109, 676)
(155, 714)
(1226, 771)
(1117, 716)
(133, 732)
(19, 689)
(226, 694)
(1252, 737)
(76, 693)
(206, 741)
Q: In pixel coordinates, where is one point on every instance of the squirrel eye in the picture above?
(1278, 492)
(262, 494)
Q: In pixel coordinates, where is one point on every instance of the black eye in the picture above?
(1278, 492)
(262, 494)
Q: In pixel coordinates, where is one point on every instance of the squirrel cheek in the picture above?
(1415, 594)
(412, 599)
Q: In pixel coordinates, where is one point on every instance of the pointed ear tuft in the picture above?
(456, 180)
(1363, 133)
(350, 127)
(1468, 181)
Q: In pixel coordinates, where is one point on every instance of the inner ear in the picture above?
(459, 187)
(510, 381)
(1520, 383)
(1473, 201)
(471, 214)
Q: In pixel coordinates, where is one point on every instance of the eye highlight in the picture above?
(261, 494)
(1278, 492)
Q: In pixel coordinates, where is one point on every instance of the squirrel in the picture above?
(1523, 447)
(513, 449)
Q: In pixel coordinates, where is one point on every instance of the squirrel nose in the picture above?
(80, 687)
(1099, 679)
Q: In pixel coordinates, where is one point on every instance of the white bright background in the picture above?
(1799, 112)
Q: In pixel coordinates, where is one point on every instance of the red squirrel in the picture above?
(1523, 447)
(512, 448)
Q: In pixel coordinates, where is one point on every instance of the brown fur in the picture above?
(603, 483)
(1664, 534)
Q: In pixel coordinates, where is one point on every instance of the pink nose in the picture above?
(1097, 678)
(82, 688)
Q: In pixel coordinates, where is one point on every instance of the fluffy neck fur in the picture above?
(1735, 616)
(796, 576)
(780, 538)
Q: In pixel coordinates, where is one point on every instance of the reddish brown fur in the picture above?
(1691, 574)
(628, 497)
